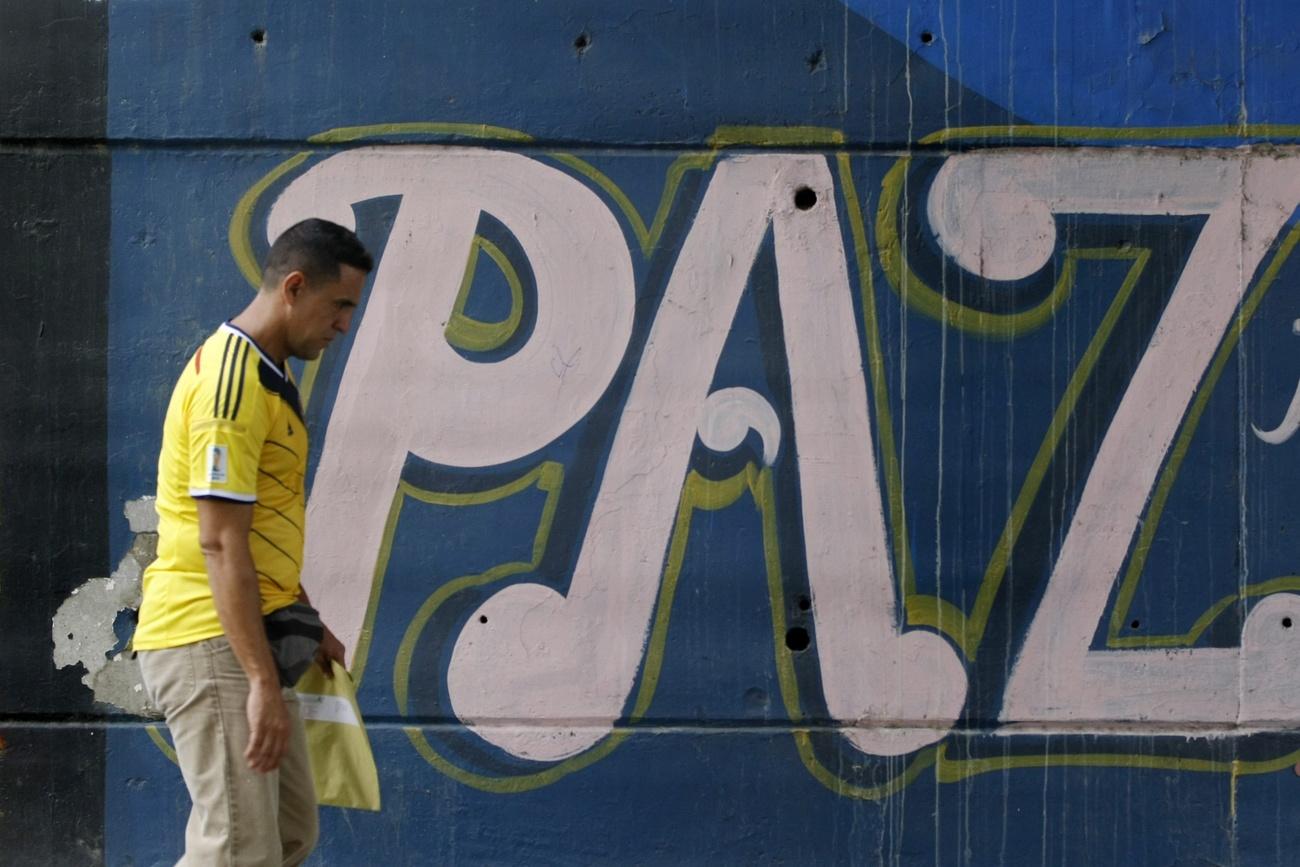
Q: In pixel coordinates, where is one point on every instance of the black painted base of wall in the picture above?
(54, 261)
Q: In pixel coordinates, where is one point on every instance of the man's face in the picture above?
(321, 310)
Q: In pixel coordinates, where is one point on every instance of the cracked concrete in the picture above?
(83, 627)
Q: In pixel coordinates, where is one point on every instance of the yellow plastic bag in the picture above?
(341, 760)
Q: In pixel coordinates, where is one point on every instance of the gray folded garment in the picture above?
(295, 633)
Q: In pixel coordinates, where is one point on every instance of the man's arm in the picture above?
(223, 536)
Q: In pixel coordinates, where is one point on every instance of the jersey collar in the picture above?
(234, 329)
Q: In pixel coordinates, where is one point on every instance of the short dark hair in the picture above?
(316, 248)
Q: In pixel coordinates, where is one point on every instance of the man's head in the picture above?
(315, 271)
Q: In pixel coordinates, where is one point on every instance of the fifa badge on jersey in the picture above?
(218, 464)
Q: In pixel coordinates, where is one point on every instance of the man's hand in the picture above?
(268, 727)
(331, 649)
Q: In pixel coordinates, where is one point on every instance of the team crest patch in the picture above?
(218, 464)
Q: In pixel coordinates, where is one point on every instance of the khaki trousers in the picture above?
(240, 817)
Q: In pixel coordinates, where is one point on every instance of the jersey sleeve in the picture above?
(228, 428)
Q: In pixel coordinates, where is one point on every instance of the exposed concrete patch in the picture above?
(141, 515)
(83, 627)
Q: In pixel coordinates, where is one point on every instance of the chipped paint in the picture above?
(83, 629)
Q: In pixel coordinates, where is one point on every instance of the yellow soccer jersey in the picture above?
(234, 431)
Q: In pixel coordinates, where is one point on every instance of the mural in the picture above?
(783, 390)
(776, 438)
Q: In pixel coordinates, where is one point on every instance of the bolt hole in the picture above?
(926, 37)
(69, 636)
(258, 36)
(1286, 622)
(482, 618)
(804, 603)
(797, 639)
(1135, 624)
(804, 198)
(582, 43)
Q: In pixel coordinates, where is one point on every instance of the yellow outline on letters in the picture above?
(465, 332)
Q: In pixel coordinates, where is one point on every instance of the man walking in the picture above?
(224, 628)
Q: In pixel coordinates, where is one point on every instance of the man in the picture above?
(230, 540)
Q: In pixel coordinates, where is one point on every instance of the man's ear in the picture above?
(291, 287)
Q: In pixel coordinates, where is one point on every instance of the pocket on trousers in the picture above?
(168, 677)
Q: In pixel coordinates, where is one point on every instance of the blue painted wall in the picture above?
(988, 402)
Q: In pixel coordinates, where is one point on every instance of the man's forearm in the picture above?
(239, 608)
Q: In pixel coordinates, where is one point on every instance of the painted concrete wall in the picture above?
(817, 432)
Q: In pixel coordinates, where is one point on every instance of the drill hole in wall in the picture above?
(797, 639)
(258, 36)
(804, 603)
(1135, 624)
(582, 42)
(482, 618)
(926, 37)
(1286, 622)
(804, 198)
